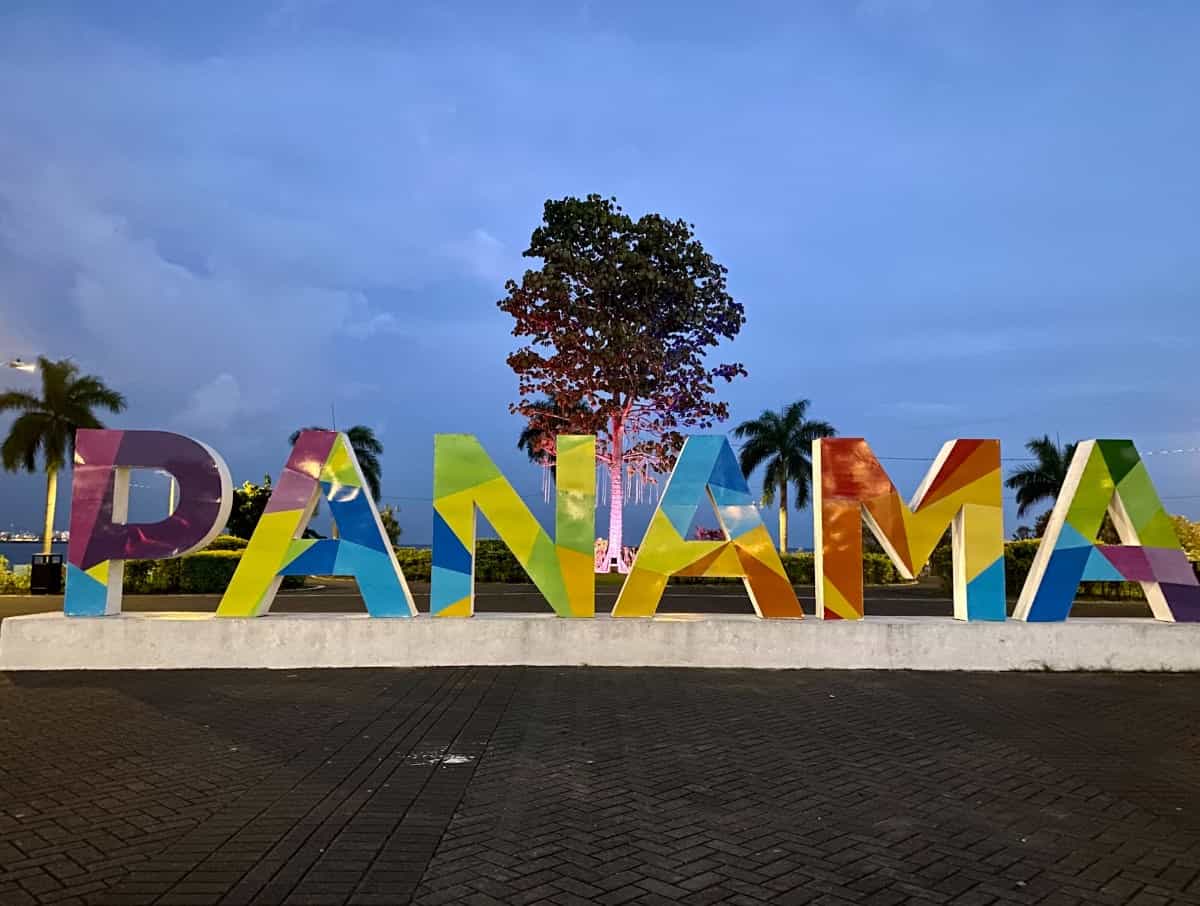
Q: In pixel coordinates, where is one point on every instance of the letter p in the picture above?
(102, 540)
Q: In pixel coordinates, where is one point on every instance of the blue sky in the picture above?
(957, 218)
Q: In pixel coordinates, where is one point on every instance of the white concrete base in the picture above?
(144, 641)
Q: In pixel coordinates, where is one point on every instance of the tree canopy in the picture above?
(617, 322)
(249, 502)
(782, 441)
(1042, 479)
(47, 424)
(391, 525)
(1189, 535)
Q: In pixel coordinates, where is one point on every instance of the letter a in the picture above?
(708, 469)
(1109, 476)
(322, 464)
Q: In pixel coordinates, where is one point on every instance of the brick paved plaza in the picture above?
(564, 786)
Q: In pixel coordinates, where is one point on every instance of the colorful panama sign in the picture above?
(962, 491)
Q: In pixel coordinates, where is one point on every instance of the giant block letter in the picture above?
(101, 539)
(322, 463)
(464, 477)
(1109, 476)
(962, 489)
(708, 469)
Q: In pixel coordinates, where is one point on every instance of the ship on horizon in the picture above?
(60, 537)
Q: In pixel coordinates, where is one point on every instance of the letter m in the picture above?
(962, 491)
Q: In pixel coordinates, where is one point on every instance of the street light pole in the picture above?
(19, 364)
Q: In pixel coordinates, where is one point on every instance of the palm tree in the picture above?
(537, 437)
(783, 441)
(1043, 478)
(48, 424)
(367, 449)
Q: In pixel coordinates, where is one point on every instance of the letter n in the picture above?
(563, 568)
(322, 464)
(1109, 476)
(101, 538)
(707, 470)
(962, 490)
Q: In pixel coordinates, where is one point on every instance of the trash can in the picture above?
(46, 574)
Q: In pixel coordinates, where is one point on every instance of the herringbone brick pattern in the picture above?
(547, 786)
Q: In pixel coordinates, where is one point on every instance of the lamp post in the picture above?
(19, 364)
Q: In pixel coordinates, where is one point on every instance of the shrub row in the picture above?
(878, 569)
(204, 572)
(227, 543)
(1018, 560)
(12, 583)
(199, 573)
(495, 563)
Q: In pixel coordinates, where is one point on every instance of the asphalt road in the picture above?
(341, 596)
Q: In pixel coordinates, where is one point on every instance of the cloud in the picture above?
(369, 325)
(484, 256)
(214, 406)
(139, 312)
(330, 197)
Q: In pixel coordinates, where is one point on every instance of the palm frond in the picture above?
(754, 453)
(782, 441)
(295, 435)
(363, 439)
(25, 439)
(16, 400)
(48, 424)
(91, 393)
(1041, 480)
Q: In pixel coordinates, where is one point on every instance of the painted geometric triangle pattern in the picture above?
(102, 538)
(707, 474)
(321, 464)
(962, 490)
(562, 568)
(1108, 476)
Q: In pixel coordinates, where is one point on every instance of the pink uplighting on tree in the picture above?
(617, 322)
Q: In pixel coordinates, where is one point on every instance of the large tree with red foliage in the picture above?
(616, 322)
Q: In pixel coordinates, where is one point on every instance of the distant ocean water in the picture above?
(21, 552)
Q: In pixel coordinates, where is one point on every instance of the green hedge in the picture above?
(878, 569)
(1018, 560)
(227, 543)
(416, 562)
(494, 562)
(204, 572)
(10, 582)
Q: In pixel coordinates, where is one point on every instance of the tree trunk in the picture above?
(51, 497)
(783, 516)
(616, 495)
